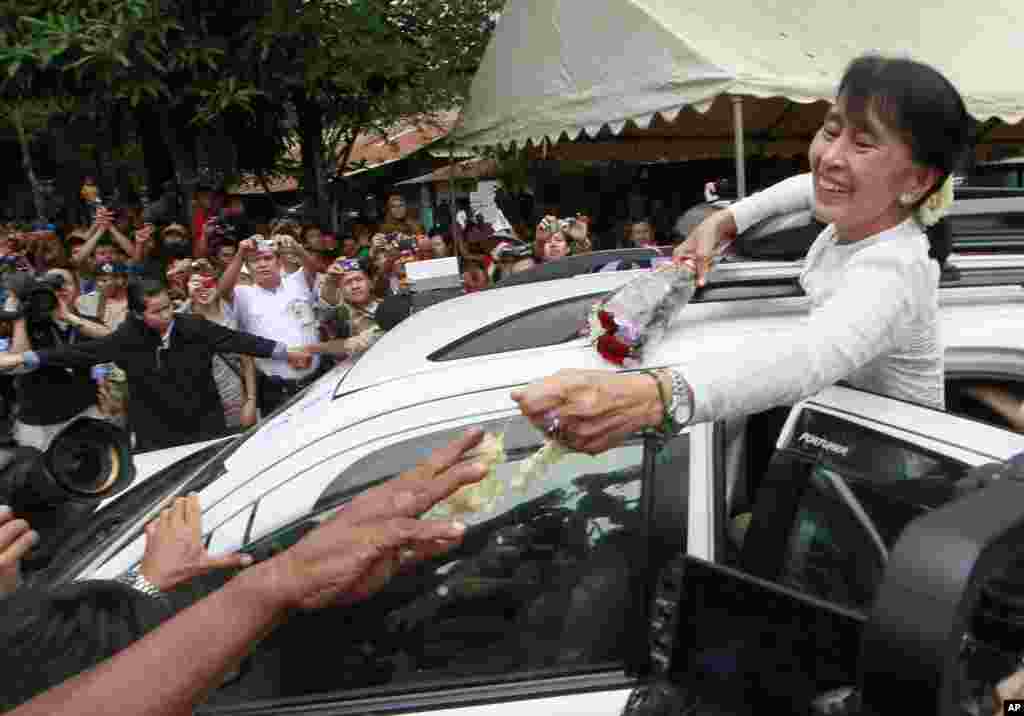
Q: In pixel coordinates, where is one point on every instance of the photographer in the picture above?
(101, 243)
(155, 255)
(167, 360)
(50, 398)
(278, 305)
(347, 298)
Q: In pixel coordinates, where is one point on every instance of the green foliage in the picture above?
(252, 70)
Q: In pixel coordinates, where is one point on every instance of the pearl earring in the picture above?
(906, 199)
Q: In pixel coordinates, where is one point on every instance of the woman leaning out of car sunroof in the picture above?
(881, 168)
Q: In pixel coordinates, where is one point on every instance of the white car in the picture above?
(546, 607)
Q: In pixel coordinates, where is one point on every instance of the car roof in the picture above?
(406, 348)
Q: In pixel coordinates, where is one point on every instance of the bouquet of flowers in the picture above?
(621, 326)
(636, 317)
(483, 496)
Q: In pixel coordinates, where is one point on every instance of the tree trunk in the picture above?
(156, 156)
(106, 177)
(311, 139)
(26, 164)
(343, 190)
(181, 148)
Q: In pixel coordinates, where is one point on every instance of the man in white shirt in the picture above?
(278, 306)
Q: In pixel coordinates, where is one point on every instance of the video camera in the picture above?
(88, 461)
(37, 297)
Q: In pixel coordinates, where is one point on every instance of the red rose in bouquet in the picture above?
(607, 321)
(612, 349)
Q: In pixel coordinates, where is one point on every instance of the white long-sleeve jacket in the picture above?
(873, 322)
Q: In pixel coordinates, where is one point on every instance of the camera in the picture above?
(89, 461)
(37, 297)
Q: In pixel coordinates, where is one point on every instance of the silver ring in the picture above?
(552, 423)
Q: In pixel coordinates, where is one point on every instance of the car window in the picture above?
(545, 326)
(750, 646)
(548, 582)
(830, 552)
(862, 488)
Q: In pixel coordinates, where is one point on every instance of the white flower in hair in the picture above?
(936, 206)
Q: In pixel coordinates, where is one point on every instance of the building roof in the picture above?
(370, 151)
(471, 169)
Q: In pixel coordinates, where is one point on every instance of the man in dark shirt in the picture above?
(173, 399)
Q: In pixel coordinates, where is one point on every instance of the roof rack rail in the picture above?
(583, 264)
(753, 280)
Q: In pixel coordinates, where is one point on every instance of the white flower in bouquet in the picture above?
(534, 467)
(483, 495)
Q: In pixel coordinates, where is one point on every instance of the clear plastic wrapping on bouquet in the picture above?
(635, 318)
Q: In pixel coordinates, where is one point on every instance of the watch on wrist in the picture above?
(138, 581)
(680, 407)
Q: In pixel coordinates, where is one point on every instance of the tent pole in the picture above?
(451, 179)
(737, 121)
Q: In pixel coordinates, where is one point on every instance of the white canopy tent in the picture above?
(571, 68)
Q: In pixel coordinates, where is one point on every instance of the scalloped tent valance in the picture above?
(571, 69)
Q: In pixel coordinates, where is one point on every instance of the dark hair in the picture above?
(472, 265)
(139, 289)
(307, 228)
(924, 108)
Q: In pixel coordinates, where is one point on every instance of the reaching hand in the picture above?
(10, 361)
(144, 234)
(104, 218)
(174, 547)
(16, 539)
(247, 246)
(596, 410)
(705, 242)
(249, 414)
(354, 553)
(299, 359)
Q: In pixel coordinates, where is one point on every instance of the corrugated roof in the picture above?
(472, 169)
(371, 150)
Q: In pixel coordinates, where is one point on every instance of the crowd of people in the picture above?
(182, 333)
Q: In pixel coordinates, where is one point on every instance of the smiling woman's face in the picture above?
(202, 288)
(861, 168)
